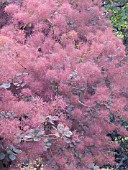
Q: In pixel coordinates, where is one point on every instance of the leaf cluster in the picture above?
(7, 154)
(119, 19)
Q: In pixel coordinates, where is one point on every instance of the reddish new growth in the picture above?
(62, 74)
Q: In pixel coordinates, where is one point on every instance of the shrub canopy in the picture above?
(63, 84)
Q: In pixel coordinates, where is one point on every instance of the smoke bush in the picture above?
(63, 76)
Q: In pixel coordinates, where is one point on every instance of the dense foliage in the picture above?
(117, 11)
(63, 84)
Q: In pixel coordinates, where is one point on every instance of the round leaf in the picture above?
(12, 157)
(5, 85)
(68, 133)
(2, 156)
(9, 149)
(60, 128)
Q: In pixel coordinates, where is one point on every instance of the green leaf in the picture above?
(68, 133)
(67, 140)
(26, 162)
(2, 156)
(17, 150)
(9, 149)
(28, 136)
(60, 128)
(12, 157)
(5, 85)
(36, 138)
(48, 144)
